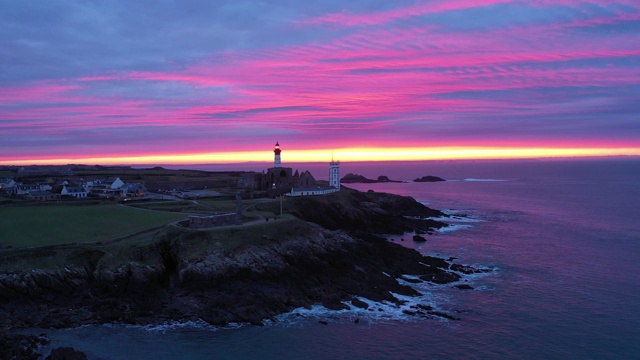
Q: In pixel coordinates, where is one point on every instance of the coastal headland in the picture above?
(285, 254)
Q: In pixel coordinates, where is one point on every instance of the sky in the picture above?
(153, 82)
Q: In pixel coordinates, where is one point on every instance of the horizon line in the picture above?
(344, 155)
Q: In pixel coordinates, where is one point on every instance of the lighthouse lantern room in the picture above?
(276, 151)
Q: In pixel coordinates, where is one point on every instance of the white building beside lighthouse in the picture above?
(334, 174)
(334, 183)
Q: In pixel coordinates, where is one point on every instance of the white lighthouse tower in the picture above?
(334, 174)
(276, 151)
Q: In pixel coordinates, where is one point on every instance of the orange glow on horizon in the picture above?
(343, 154)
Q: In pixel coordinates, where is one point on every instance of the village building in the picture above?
(43, 195)
(7, 186)
(7, 183)
(77, 192)
(133, 190)
(27, 189)
(107, 188)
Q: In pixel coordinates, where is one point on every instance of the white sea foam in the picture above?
(409, 309)
(175, 325)
(455, 222)
(453, 227)
(456, 219)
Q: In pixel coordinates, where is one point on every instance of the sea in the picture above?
(561, 239)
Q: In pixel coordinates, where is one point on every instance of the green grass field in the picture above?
(173, 206)
(31, 226)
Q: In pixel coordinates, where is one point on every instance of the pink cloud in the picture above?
(382, 17)
(377, 83)
(40, 92)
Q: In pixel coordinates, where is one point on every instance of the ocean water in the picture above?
(562, 238)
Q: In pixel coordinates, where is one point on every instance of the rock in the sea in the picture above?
(443, 277)
(443, 315)
(465, 269)
(418, 238)
(429, 178)
(356, 178)
(359, 303)
(66, 353)
(464, 287)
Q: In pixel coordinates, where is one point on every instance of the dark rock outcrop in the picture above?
(360, 212)
(418, 238)
(356, 178)
(20, 346)
(66, 353)
(468, 269)
(429, 178)
(464, 287)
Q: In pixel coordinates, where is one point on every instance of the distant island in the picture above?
(429, 178)
(351, 178)
(356, 178)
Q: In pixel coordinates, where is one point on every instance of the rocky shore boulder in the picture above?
(418, 238)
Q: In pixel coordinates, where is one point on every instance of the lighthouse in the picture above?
(276, 151)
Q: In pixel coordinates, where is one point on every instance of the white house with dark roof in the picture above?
(7, 186)
(107, 188)
(7, 183)
(76, 191)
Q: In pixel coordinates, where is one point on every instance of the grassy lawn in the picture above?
(173, 206)
(30, 226)
(232, 237)
(143, 248)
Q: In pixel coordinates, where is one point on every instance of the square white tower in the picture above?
(334, 174)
